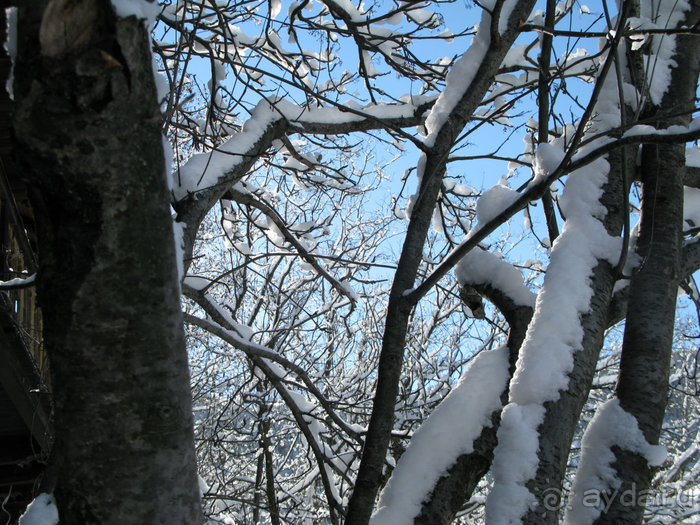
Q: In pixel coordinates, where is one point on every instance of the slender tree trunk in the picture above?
(646, 353)
(88, 129)
(543, 95)
(269, 472)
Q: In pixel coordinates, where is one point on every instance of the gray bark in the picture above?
(88, 129)
(561, 416)
(642, 386)
(543, 95)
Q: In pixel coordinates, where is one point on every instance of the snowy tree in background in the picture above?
(429, 256)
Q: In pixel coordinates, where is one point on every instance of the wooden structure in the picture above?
(25, 428)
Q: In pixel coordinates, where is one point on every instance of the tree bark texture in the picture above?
(88, 125)
(562, 416)
(642, 386)
(643, 382)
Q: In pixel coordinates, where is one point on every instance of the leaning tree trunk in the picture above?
(458, 484)
(88, 129)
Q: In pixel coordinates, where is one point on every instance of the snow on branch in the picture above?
(41, 511)
(596, 477)
(270, 120)
(18, 283)
(596, 144)
(482, 267)
(446, 434)
(206, 170)
(266, 360)
(250, 200)
(221, 325)
(660, 61)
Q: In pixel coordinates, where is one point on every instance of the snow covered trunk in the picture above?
(89, 139)
(644, 369)
(561, 416)
(558, 358)
(452, 449)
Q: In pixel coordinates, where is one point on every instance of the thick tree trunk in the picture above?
(561, 416)
(88, 129)
(643, 382)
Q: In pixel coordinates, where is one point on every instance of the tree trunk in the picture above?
(377, 439)
(643, 383)
(642, 386)
(88, 129)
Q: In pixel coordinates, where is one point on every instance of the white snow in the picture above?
(658, 14)
(448, 432)
(483, 267)
(351, 293)
(207, 169)
(419, 16)
(275, 8)
(243, 247)
(506, 11)
(555, 333)
(514, 463)
(691, 206)
(516, 55)
(41, 511)
(18, 281)
(178, 233)
(494, 200)
(462, 74)
(350, 9)
(536, 18)
(692, 157)
(547, 160)
(139, 8)
(11, 47)
(459, 77)
(197, 283)
(242, 332)
(370, 70)
(611, 426)
(333, 115)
